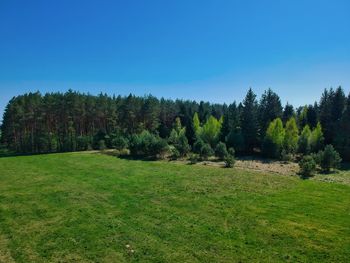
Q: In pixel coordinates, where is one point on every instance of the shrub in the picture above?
(193, 158)
(182, 145)
(221, 150)
(120, 143)
(101, 145)
(286, 156)
(329, 158)
(83, 143)
(206, 151)
(175, 154)
(307, 166)
(197, 146)
(229, 161)
(148, 145)
(231, 151)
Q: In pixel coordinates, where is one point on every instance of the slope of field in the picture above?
(88, 207)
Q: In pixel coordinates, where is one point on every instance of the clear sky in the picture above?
(203, 50)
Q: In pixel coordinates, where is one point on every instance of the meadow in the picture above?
(91, 207)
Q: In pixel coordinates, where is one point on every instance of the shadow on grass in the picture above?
(128, 156)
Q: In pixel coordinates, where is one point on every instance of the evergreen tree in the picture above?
(342, 137)
(250, 121)
(288, 112)
(231, 121)
(270, 108)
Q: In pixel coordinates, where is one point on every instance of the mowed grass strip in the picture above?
(89, 207)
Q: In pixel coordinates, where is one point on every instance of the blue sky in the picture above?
(203, 50)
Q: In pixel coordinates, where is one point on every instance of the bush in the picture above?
(221, 150)
(206, 151)
(182, 145)
(148, 145)
(197, 146)
(83, 143)
(193, 158)
(101, 145)
(307, 166)
(120, 143)
(229, 161)
(328, 158)
(175, 154)
(286, 156)
(231, 151)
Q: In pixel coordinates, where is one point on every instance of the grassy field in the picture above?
(89, 207)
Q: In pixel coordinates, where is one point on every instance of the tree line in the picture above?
(72, 121)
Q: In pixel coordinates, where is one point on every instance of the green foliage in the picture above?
(329, 158)
(270, 108)
(285, 156)
(235, 139)
(178, 139)
(288, 112)
(84, 143)
(342, 139)
(231, 151)
(120, 142)
(316, 139)
(221, 150)
(290, 143)
(210, 131)
(304, 140)
(307, 166)
(229, 161)
(147, 144)
(193, 158)
(197, 146)
(274, 139)
(196, 124)
(231, 121)
(101, 145)
(206, 151)
(250, 125)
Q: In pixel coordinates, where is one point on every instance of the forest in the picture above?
(148, 126)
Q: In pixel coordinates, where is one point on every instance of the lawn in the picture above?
(90, 207)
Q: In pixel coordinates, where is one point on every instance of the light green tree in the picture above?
(196, 124)
(210, 131)
(316, 139)
(274, 139)
(291, 137)
(304, 140)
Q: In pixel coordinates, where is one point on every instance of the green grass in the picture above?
(86, 207)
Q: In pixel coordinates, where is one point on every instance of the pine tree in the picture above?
(250, 121)
(342, 137)
(288, 112)
(270, 108)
